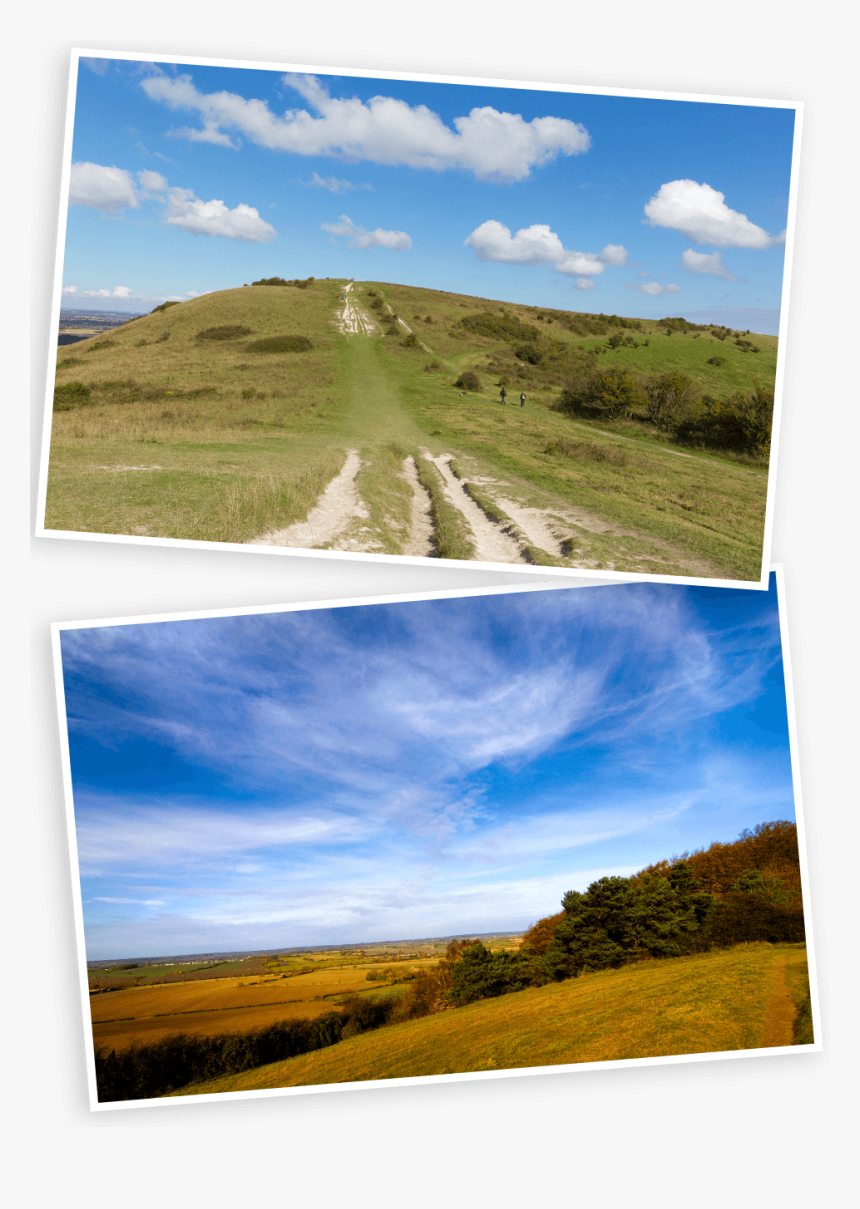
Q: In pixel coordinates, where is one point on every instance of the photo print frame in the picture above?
(381, 316)
(462, 836)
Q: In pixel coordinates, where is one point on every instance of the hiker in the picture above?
(504, 394)
(523, 399)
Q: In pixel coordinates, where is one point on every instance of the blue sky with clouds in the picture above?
(189, 178)
(411, 769)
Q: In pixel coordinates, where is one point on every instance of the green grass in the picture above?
(183, 437)
(711, 1003)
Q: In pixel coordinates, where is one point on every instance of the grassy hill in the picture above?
(202, 422)
(747, 997)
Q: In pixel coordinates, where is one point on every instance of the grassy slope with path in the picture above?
(710, 1003)
(169, 447)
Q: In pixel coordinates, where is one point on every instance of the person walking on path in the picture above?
(523, 399)
(504, 394)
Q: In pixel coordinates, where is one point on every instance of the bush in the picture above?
(529, 353)
(468, 380)
(411, 341)
(280, 344)
(716, 360)
(229, 331)
(301, 285)
(163, 307)
(434, 364)
(667, 397)
(73, 394)
(248, 392)
(498, 327)
(740, 918)
(428, 319)
(608, 392)
(741, 423)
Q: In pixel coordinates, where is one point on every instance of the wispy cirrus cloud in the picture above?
(332, 183)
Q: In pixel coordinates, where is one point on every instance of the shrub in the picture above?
(392, 330)
(469, 380)
(301, 285)
(667, 396)
(716, 360)
(248, 392)
(498, 327)
(529, 353)
(229, 331)
(163, 307)
(615, 340)
(741, 423)
(411, 341)
(428, 319)
(434, 364)
(280, 344)
(97, 348)
(610, 392)
(73, 394)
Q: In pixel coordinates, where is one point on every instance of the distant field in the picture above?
(735, 999)
(231, 1004)
(192, 429)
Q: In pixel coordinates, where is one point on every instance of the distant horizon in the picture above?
(741, 318)
(433, 767)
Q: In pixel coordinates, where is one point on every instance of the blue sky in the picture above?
(187, 179)
(413, 769)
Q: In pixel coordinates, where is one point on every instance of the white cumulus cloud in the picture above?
(385, 130)
(701, 213)
(708, 263)
(101, 188)
(653, 288)
(152, 182)
(538, 244)
(360, 238)
(585, 283)
(214, 218)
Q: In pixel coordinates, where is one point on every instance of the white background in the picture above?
(751, 1132)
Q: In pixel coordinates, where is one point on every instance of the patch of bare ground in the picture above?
(352, 320)
(492, 543)
(560, 527)
(419, 544)
(781, 1012)
(329, 517)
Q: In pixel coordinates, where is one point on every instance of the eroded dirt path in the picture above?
(334, 510)
(781, 1011)
(420, 543)
(492, 543)
(351, 320)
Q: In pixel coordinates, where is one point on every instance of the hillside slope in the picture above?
(202, 422)
(735, 999)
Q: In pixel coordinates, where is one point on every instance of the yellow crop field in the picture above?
(733, 999)
(228, 1004)
(116, 1034)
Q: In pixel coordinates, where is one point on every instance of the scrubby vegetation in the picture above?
(300, 284)
(674, 403)
(227, 331)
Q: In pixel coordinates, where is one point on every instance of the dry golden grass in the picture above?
(711, 1003)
